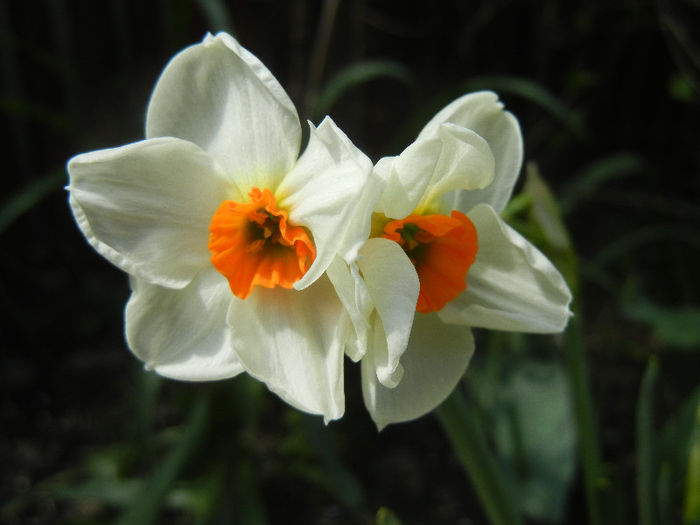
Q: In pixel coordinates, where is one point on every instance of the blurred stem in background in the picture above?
(544, 226)
(468, 440)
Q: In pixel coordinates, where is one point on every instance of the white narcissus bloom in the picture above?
(438, 215)
(225, 230)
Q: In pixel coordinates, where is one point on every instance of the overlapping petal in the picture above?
(353, 294)
(293, 342)
(511, 285)
(180, 333)
(434, 361)
(322, 192)
(219, 96)
(450, 158)
(484, 114)
(393, 286)
(146, 206)
(467, 158)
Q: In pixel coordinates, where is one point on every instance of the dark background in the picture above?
(590, 81)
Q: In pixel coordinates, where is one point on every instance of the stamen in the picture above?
(442, 249)
(253, 243)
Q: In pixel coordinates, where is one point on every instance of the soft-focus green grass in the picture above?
(599, 425)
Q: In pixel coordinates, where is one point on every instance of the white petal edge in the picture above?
(146, 207)
(392, 283)
(483, 113)
(451, 158)
(293, 342)
(435, 360)
(221, 97)
(511, 285)
(353, 294)
(182, 334)
(322, 193)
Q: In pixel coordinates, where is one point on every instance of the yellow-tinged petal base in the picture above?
(442, 249)
(253, 243)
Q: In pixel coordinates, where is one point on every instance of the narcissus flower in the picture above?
(436, 237)
(225, 233)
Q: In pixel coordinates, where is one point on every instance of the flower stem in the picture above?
(589, 449)
(646, 464)
(460, 421)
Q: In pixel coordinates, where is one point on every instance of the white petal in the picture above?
(147, 206)
(511, 285)
(451, 158)
(435, 360)
(219, 96)
(393, 285)
(292, 341)
(183, 334)
(483, 113)
(353, 294)
(322, 193)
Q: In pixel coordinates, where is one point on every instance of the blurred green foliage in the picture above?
(607, 96)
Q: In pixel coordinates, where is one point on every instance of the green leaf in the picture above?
(535, 434)
(111, 492)
(681, 88)
(386, 517)
(646, 462)
(199, 498)
(546, 216)
(217, 15)
(589, 180)
(353, 76)
(340, 481)
(677, 326)
(145, 507)
(674, 445)
(248, 507)
(27, 198)
(531, 92)
(459, 419)
(691, 508)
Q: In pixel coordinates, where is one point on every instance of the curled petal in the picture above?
(484, 114)
(322, 193)
(511, 285)
(353, 294)
(393, 286)
(452, 158)
(434, 361)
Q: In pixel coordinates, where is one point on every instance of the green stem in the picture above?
(460, 421)
(589, 448)
(646, 475)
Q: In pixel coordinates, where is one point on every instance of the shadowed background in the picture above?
(607, 94)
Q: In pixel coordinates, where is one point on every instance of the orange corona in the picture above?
(442, 248)
(253, 243)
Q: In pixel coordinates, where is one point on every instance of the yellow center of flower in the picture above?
(442, 249)
(253, 243)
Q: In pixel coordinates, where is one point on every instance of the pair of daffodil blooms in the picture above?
(245, 256)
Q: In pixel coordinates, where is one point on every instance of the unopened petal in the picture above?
(435, 360)
(182, 334)
(146, 206)
(322, 193)
(293, 342)
(221, 97)
(511, 285)
(483, 113)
